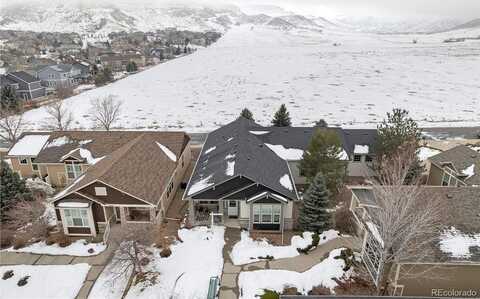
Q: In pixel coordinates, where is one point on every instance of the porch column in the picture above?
(93, 230)
(152, 215)
(123, 218)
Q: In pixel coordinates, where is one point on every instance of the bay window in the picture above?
(76, 217)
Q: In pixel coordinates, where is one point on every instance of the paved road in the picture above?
(97, 263)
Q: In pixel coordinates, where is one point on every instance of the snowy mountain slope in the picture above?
(63, 17)
(260, 67)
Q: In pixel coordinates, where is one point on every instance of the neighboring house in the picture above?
(458, 166)
(454, 263)
(62, 156)
(134, 184)
(85, 69)
(59, 75)
(248, 175)
(118, 62)
(25, 85)
(359, 144)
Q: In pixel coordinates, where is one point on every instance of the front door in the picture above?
(117, 215)
(232, 208)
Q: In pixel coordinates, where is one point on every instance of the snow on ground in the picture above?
(77, 248)
(248, 250)
(29, 145)
(253, 283)
(62, 282)
(458, 244)
(286, 153)
(186, 273)
(424, 153)
(111, 283)
(352, 84)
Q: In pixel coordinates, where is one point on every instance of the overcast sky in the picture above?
(468, 9)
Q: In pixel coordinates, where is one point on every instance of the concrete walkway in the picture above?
(97, 264)
(229, 288)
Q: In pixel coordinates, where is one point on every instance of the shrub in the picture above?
(355, 285)
(6, 238)
(267, 257)
(315, 241)
(144, 261)
(166, 252)
(291, 291)
(269, 294)
(63, 240)
(23, 281)
(7, 274)
(91, 250)
(320, 290)
(19, 242)
(344, 221)
(348, 257)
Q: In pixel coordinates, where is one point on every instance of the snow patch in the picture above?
(469, 171)
(168, 152)
(343, 156)
(360, 149)
(29, 145)
(253, 283)
(200, 185)
(458, 244)
(230, 168)
(259, 132)
(60, 141)
(85, 154)
(50, 281)
(424, 153)
(289, 154)
(210, 150)
(77, 248)
(230, 156)
(73, 205)
(286, 182)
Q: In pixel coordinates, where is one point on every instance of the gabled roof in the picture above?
(233, 151)
(352, 137)
(461, 158)
(139, 168)
(23, 76)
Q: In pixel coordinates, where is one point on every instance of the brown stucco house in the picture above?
(118, 178)
(458, 166)
(452, 267)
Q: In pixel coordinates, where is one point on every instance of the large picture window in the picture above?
(266, 213)
(73, 170)
(76, 217)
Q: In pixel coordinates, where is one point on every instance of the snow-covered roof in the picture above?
(360, 149)
(458, 244)
(29, 145)
(288, 154)
(425, 152)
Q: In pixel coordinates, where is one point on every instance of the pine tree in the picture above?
(131, 67)
(395, 131)
(9, 98)
(12, 187)
(282, 117)
(247, 114)
(321, 123)
(313, 214)
(323, 155)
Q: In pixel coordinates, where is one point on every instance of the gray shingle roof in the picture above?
(24, 76)
(247, 154)
(352, 137)
(460, 157)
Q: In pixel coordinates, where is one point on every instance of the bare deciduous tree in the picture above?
(60, 118)
(407, 220)
(64, 92)
(11, 125)
(106, 111)
(28, 218)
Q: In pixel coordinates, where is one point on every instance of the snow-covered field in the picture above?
(353, 83)
(62, 282)
(248, 250)
(253, 283)
(186, 273)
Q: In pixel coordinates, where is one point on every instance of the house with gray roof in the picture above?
(59, 75)
(458, 166)
(451, 262)
(25, 85)
(248, 175)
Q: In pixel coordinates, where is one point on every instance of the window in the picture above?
(101, 191)
(357, 158)
(446, 179)
(23, 161)
(138, 214)
(368, 159)
(76, 217)
(34, 166)
(73, 170)
(266, 213)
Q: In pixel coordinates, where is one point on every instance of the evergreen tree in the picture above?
(12, 188)
(323, 155)
(247, 114)
(131, 67)
(314, 215)
(9, 98)
(321, 123)
(395, 131)
(282, 117)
